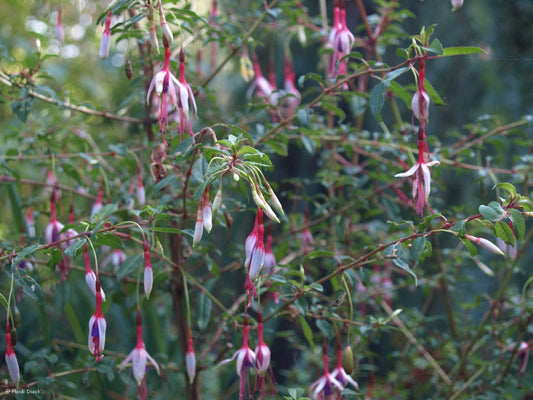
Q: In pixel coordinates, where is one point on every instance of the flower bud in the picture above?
(420, 106)
(128, 69)
(218, 200)
(456, 4)
(148, 272)
(153, 38)
(347, 360)
(486, 244)
(106, 38)
(164, 26)
(190, 359)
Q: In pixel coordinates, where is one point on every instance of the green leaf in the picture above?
(461, 51)
(405, 266)
(29, 285)
(25, 252)
(459, 227)
(393, 75)
(108, 239)
(308, 333)
(317, 253)
(55, 257)
(16, 207)
(418, 249)
(507, 187)
(105, 212)
(167, 230)
(433, 95)
(470, 246)
(325, 327)
(377, 100)
(167, 180)
(504, 232)
(519, 225)
(72, 250)
(493, 211)
(3, 300)
(203, 310)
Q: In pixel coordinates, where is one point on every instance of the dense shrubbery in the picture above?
(191, 189)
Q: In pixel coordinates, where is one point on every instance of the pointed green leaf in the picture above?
(72, 250)
(504, 232)
(493, 211)
(461, 51)
(308, 333)
(519, 225)
(377, 100)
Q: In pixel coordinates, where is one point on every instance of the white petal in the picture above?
(427, 179)
(410, 172)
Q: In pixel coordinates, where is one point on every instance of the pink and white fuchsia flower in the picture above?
(11, 358)
(51, 232)
(90, 276)
(97, 327)
(325, 388)
(262, 352)
(185, 121)
(245, 360)
(340, 374)
(148, 272)
(139, 356)
(165, 83)
(106, 38)
(254, 248)
(190, 359)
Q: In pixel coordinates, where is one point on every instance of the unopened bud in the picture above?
(164, 26)
(218, 200)
(347, 360)
(420, 106)
(486, 244)
(456, 4)
(128, 69)
(275, 201)
(247, 72)
(153, 39)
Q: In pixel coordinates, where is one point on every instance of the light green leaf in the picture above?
(461, 51)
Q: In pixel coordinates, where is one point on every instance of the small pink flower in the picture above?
(341, 40)
(325, 387)
(245, 360)
(148, 272)
(141, 195)
(97, 327)
(90, 276)
(139, 356)
(420, 104)
(199, 225)
(70, 233)
(116, 258)
(190, 359)
(30, 223)
(165, 83)
(164, 26)
(186, 100)
(11, 358)
(293, 95)
(255, 248)
(261, 85)
(97, 206)
(51, 232)
(456, 4)
(207, 214)
(60, 31)
(106, 38)
(262, 352)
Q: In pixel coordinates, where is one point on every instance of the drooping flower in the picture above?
(116, 258)
(165, 83)
(245, 360)
(306, 236)
(255, 248)
(261, 86)
(70, 233)
(340, 374)
(90, 276)
(262, 352)
(457, 4)
(420, 104)
(51, 232)
(106, 38)
(98, 204)
(30, 223)
(341, 40)
(164, 26)
(199, 225)
(148, 272)
(141, 194)
(60, 31)
(422, 178)
(185, 121)
(139, 356)
(11, 357)
(293, 95)
(97, 327)
(190, 358)
(325, 388)
(523, 354)
(207, 214)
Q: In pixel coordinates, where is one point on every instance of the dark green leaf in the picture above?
(308, 333)
(25, 252)
(519, 225)
(72, 250)
(504, 232)
(377, 100)
(493, 211)
(325, 327)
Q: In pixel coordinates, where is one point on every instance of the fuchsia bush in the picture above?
(356, 263)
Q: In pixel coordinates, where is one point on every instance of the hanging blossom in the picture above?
(90, 276)
(293, 96)
(106, 38)
(51, 232)
(262, 356)
(141, 194)
(245, 360)
(30, 223)
(260, 85)
(190, 358)
(340, 374)
(457, 4)
(139, 356)
(185, 121)
(420, 171)
(116, 258)
(71, 232)
(11, 357)
(98, 204)
(60, 31)
(341, 40)
(97, 327)
(148, 272)
(325, 387)
(254, 248)
(165, 83)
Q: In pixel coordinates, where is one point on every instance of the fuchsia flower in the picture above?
(261, 85)
(190, 359)
(141, 195)
(60, 31)
(325, 387)
(148, 272)
(97, 327)
(199, 225)
(164, 26)
(523, 354)
(254, 248)
(340, 374)
(294, 97)
(185, 102)
(341, 40)
(116, 258)
(139, 355)
(486, 244)
(165, 83)
(207, 214)
(245, 360)
(106, 38)
(420, 104)
(11, 357)
(30, 223)
(70, 233)
(262, 352)
(456, 4)
(51, 232)
(90, 276)
(97, 206)
(306, 236)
